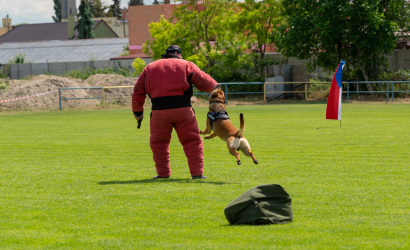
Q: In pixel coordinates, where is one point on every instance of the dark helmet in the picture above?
(174, 48)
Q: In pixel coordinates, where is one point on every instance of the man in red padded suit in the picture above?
(168, 82)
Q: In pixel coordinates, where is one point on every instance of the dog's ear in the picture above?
(218, 86)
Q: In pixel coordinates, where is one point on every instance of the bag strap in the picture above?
(262, 210)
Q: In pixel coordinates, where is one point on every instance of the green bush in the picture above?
(84, 74)
(401, 75)
(320, 87)
(138, 65)
(19, 58)
(125, 50)
(320, 83)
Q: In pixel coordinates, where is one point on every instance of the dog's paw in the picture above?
(238, 162)
(207, 137)
(255, 161)
(201, 132)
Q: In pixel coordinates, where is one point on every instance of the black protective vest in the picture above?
(213, 116)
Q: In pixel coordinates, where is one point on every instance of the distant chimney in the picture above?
(124, 14)
(70, 25)
(7, 22)
(68, 7)
(167, 1)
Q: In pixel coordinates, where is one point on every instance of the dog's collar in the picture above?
(216, 102)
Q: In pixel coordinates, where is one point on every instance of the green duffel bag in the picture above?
(264, 204)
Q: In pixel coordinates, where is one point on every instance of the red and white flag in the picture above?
(334, 102)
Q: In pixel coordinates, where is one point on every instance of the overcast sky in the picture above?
(39, 11)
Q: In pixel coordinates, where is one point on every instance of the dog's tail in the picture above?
(241, 127)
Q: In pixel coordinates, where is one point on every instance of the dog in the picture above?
(218, 121)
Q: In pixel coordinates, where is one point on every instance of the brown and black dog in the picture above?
(218, 121)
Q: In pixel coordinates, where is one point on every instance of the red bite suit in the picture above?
(168, 82)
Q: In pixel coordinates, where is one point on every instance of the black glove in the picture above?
(139, 121)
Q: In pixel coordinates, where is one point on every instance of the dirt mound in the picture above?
(101, 80)
(41, 92)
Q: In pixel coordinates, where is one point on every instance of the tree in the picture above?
(206, 36)
(206, 26)
(97, 9)
(115, 9)
(85, 24)
(360, 32)
(57, 11)
(163, 33)
(135, 2)
(194, 29)
(258, 21)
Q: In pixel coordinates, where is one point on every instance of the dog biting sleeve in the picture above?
(213, 116)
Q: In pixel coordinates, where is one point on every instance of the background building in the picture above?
(68, 7)
(6, 25)
(140, 17)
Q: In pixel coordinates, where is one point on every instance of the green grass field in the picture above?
(83, 179)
